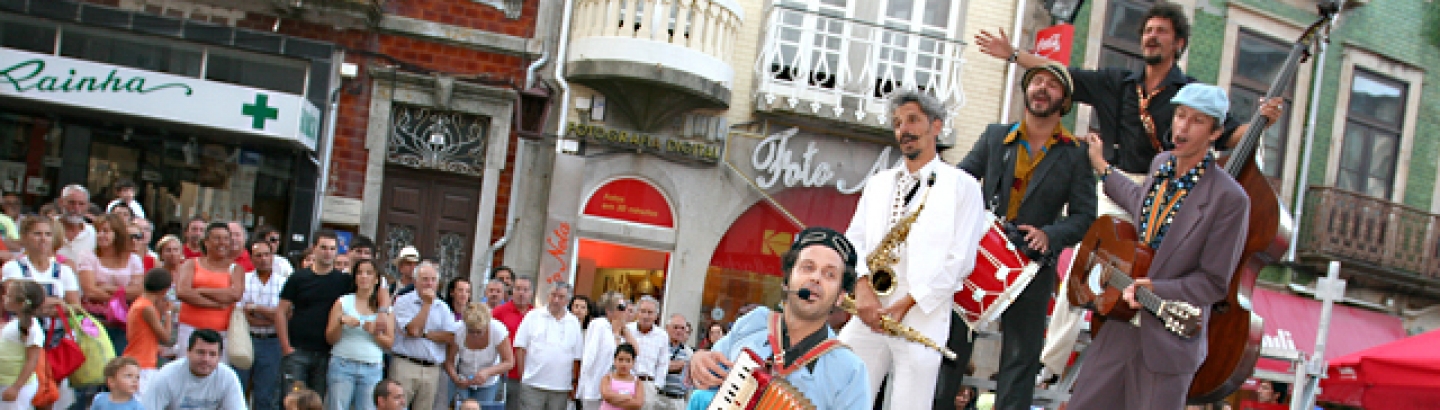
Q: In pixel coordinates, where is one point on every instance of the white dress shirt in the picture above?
(552, 346)
(653, 353)
(407, 307)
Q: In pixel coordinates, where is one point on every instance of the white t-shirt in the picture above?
(468, 361)
(552, 345)
(12, 349)
(173, 387)
(54, 286)
(83, 244)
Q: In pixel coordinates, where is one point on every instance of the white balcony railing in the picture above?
(630, 29)
(846, 69)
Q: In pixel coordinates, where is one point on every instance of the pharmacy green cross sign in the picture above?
(259, 111)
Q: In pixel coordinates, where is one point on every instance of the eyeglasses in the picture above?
(137, 236)
(273, 239)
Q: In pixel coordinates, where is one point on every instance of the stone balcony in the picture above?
(840, 69)
(655, 59)
(1377, 241)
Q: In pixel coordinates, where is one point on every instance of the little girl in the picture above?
(122, 375)
(20, 342)
(619, 389)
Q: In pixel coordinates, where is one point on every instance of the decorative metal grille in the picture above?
(436, 139)
(451, 251)
(397, 237)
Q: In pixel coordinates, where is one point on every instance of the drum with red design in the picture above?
(1001, 272)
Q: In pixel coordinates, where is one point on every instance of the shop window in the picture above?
(1373, 123)
(603, 267)
(1263, 58)
(122, 50)
(30, 36)
(745, 268)
(275, 74)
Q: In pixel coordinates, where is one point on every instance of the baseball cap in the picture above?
(1208, 99)
(408, 254)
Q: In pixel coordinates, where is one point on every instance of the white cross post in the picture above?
(1328, 290)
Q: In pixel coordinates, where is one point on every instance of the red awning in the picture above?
(758, 238)
(1399, 375)
(1291, 322)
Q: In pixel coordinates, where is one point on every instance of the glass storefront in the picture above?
(745, 268)
(605, 267)
(179, 174)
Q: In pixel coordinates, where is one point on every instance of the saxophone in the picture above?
(882, 260)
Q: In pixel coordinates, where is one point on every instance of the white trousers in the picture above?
(912, 367)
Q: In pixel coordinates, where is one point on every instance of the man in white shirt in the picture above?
(672, 395)
(262, 293)
(79, 234)
(282, 266)
(548, 347)
(197, 382)
(427, 325)
(651, 363)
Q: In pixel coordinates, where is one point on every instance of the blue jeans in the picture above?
(307, 367)
(352, 384)
(484, 395)
(264, 388)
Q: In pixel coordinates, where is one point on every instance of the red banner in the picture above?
(632, 200)
(1054, 42)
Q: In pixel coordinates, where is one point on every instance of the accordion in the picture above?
(752, 385)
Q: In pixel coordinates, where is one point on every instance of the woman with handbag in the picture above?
(20, 344)
(208, 287)
(111, 276)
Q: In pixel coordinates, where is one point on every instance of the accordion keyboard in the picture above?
(741, 385)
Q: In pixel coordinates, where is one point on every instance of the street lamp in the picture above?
(1063, 10)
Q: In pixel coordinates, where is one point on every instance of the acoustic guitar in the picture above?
(1108, 260)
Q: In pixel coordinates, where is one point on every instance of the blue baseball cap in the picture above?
(1206, 98)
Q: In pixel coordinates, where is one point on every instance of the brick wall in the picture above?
(367, 48)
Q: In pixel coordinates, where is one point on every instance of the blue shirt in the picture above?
(102, 402)
(838, 381)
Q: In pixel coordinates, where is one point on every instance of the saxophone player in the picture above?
(926, 264)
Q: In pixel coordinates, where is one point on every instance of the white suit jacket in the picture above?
(940, 251)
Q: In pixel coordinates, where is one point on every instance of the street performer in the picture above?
(1133, 108)
(1194, 216)
(938, 252)
(798, 341)
(1030, 173)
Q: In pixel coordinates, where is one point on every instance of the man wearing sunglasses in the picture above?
(281, 266)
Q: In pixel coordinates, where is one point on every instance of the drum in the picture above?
(1001, 272)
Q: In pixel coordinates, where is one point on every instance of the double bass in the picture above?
(1234, 331)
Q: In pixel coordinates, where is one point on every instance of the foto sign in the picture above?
(160, 96)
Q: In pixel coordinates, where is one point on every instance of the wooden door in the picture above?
(433, 211)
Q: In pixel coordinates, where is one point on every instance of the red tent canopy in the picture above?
(1404, 374)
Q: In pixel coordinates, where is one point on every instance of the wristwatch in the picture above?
(1014, 56)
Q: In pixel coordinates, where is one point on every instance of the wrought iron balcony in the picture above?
(656, 58)
(842, 69)
(1389, 242)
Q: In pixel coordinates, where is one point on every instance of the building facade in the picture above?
(698, 136)
(420, 112)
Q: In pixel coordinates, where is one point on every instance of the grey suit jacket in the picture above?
(1194, 263)
(1062, 178)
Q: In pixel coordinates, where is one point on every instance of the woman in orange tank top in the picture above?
(208, 286)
